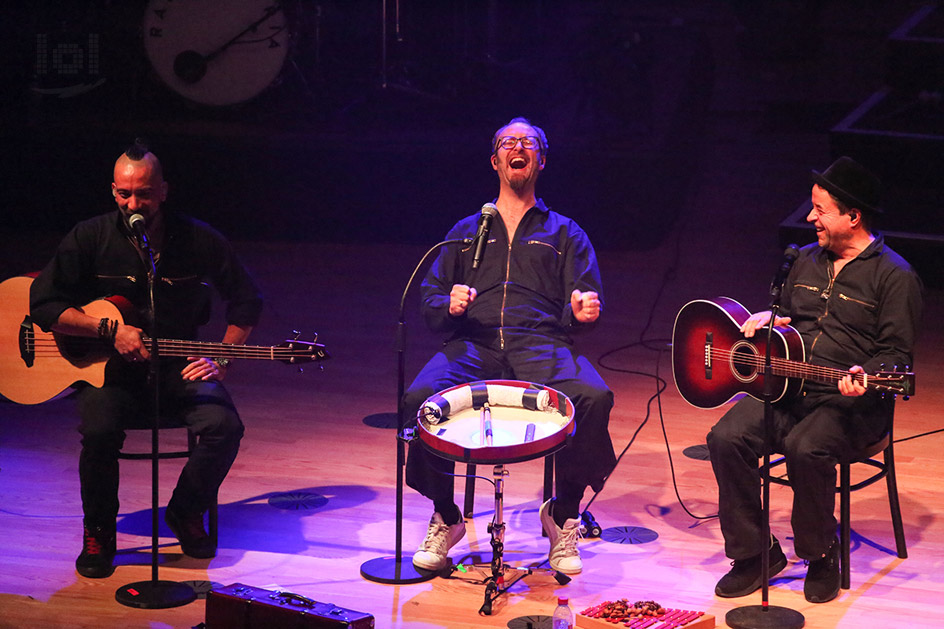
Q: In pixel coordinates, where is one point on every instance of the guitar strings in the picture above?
(786, 367)
(46, 346)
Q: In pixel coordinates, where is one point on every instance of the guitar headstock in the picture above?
(898, 382)
(293, 352)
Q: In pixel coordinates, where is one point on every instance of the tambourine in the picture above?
(495, 422)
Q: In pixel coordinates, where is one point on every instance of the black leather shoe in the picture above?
(189, 531)
(745, 577)
(98, 553)
(822, 577)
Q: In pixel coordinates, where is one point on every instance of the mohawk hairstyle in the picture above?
(138, 150)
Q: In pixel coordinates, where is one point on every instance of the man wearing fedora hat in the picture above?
(856, 304)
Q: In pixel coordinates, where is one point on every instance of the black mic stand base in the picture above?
(395, 570)
(764, 617)
(155, 594)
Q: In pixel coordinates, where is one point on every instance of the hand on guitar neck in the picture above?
(850, 385)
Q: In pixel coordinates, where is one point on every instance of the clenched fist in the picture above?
(459, 299)
(586, 306)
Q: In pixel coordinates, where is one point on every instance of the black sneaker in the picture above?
(189, 531)
(822, 577)
(744, 576)
(98, 553)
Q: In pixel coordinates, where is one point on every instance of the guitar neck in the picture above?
(169, 347)
(816, 373)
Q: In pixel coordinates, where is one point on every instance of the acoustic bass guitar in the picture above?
(713, 362)
(36, 366)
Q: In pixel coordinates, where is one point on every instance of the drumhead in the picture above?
(527, 421)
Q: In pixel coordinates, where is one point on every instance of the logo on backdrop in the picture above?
(67, 64)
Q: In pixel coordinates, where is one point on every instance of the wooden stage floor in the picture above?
(313, 442)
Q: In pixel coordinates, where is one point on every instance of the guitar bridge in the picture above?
(27, 341)
(709, 339)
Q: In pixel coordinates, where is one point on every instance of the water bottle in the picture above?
(563, 616)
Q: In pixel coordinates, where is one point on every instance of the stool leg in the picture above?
(214, 522)
(845, 533)
(548, 483)
(893, 503)
(548, 477)
(469, 504)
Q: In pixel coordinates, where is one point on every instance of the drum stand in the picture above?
(503, 575)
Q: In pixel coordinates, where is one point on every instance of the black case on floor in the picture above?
(239, 606)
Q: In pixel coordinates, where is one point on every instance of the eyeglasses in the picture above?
(509, 142)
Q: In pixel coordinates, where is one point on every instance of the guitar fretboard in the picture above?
(787, 368)
(168, 347)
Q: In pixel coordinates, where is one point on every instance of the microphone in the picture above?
(489, 212)
(136, 221)
(789, 257)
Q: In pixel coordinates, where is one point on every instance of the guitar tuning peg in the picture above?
(296, 334)
(314, 336)
(906, 397)
(301, 369)
(881, 367)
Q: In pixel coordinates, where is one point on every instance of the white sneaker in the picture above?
(564, 555)
(440, 537)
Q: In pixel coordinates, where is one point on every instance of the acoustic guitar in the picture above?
(36, 366)
(713, 362)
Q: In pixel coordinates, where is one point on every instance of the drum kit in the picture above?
(496, 422)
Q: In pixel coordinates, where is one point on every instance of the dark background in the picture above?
(341, 147)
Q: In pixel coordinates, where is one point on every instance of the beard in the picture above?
(519, 180)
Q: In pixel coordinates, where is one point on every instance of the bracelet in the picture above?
(107, 329)
(103, 327)
(223, 362)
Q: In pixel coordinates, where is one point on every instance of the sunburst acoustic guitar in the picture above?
(713, 362)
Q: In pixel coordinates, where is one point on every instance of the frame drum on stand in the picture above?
(527, 421)
(497, 422)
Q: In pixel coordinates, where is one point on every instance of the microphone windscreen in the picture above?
(136, 221)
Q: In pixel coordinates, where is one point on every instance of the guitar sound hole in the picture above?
(744, 361)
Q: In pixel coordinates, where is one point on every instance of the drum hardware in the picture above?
(499, 576)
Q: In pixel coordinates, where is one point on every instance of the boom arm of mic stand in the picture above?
(385, 569)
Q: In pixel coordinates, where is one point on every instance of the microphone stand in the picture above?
(154, 594)
(393, 570)
(765, 616)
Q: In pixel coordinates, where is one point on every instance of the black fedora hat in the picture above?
(851, 183)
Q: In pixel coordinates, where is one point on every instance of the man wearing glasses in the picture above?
(513, 315)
